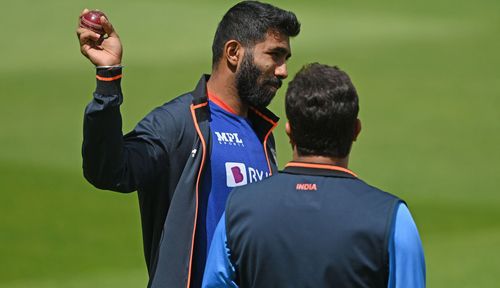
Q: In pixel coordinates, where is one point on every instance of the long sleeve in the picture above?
(219, 271)
(110, 160)
(406, 255)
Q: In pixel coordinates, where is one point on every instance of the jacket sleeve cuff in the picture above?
(109, 81)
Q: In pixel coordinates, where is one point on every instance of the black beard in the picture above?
(252, 88)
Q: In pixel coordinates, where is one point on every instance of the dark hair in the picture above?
(248, 23)
(322, 109)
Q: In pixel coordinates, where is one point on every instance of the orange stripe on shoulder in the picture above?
(108, 79)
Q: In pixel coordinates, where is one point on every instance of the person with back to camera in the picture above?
(316, 224)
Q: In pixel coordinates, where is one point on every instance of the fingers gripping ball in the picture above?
(92, 21)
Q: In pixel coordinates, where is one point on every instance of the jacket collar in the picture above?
(318, 170)
(200, 92)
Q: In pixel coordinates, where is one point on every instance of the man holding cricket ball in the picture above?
(185, 156)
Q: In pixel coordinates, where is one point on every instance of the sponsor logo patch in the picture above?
(238, 174)
(229, 139)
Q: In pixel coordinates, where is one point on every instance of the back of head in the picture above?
(248, 23)
(322, 109)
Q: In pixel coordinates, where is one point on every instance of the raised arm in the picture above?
(111, 160)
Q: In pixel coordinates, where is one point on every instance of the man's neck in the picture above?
(340, 162)
(224, 88)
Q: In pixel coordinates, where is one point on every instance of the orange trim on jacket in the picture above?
(204, 147)
(108, 79)
(321, 166)
(267, 136)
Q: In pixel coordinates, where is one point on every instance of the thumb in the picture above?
(108, 27)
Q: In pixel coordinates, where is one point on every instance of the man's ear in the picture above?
(233, 52)
(288, 131)
(357, 129)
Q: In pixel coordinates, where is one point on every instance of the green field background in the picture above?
(427, 73)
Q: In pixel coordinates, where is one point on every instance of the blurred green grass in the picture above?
(426, 73)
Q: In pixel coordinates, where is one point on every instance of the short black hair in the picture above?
(322, 108)
(248, 22)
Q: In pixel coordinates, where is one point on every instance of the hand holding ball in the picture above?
(99, 41)
(92, 21)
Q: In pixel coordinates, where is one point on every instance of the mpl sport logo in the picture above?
(229, 139)
(237, 174)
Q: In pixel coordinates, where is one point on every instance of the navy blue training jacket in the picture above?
(162, 159)
(312, 225)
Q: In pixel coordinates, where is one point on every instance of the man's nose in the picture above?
(281, 71)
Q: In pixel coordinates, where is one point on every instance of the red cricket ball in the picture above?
(92, 21)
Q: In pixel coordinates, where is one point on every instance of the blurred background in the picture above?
(426, 72)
